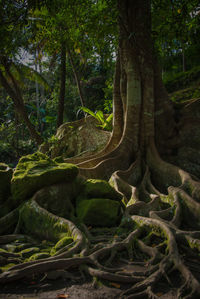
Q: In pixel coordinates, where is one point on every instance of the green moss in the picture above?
(23, 246)
(40, 223)
(2, 250)
(38, 256)
(10, 247)
(6, 267)
(131, 201)
(98, 211)
(36, 171)
(29, 252)
(63, 242)
(101, 189)
(65, 195)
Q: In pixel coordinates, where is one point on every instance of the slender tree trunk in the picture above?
(62, 86)
(183, 59)
(17, 133)
(15, 94)
(37, 90)
(77, 78)
(118, 121)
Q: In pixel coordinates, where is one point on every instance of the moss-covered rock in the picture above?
(98, 211)
(5, 179)
(36, 171)
(100, 189)
(59, 198)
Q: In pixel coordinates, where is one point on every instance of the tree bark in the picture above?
(62, 86)
(15, 94)
(76, 76)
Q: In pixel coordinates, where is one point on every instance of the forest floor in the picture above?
(60, 288)
(65, 288)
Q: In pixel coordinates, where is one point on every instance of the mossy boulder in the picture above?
(59, 198)
(100, 189)
(78, 138)
(5, 179)
(36, 171)
(98, 211)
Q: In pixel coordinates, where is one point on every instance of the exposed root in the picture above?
(159, 234)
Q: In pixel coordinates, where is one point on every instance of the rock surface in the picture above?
(79, 138)
(98, 211)
(98, 204)
(36, 171)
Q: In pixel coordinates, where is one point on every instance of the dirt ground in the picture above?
(56, 289)
(64, 288)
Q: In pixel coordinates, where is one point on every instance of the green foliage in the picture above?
(104, 122)
(182, 79)
(32, 33)
(175, 27)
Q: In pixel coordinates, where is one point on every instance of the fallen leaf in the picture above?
(116, 285)
(62, 296)
(159, 294)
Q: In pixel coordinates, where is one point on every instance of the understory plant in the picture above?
(104, 122)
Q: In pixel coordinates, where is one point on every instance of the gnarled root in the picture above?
(154, 250)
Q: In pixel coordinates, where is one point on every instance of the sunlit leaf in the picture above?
(78, 51)
(115, 285)
(159, 294)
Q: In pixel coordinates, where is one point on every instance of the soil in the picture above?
(56, 289)
(43, 288)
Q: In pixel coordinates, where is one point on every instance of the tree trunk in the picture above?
(77, 78)
(15, 94)
(62, 86)
(37, 91)
(157, 245)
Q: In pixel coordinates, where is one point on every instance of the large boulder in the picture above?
(95, 188)
(36, 171)
(77, 138)
(98, 211)
(59, 199)
(5, 178)
(98, 204)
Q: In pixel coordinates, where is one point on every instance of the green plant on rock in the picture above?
(104, 123)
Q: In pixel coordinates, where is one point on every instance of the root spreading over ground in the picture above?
(155, 247)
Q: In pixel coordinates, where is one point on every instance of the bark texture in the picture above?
(62, 86)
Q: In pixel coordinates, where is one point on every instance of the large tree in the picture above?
(162, 200)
